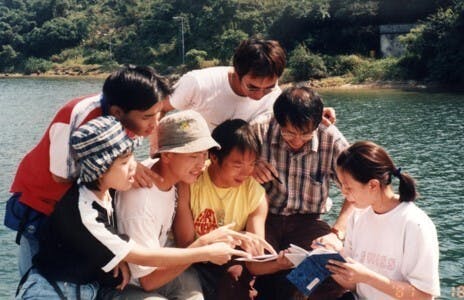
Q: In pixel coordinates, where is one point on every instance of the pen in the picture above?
(276, 178)
(320, 244)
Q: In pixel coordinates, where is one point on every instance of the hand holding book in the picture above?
(312, 271)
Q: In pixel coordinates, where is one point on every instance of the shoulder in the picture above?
(81, 105)
(416, 218)
(331, 135)
(204, 75)
(331, 131)
(253, 187)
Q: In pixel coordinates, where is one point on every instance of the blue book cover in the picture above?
(312, 271)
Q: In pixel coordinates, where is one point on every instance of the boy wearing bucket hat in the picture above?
(79, 245)
(45, 174)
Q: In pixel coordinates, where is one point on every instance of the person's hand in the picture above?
(125, 274)
(223, 234)
(145, 177)
(283, 262)
(328, 116)
(264, 172)
(256, 245)
(221, 253)
(329, 241)
(351, 271)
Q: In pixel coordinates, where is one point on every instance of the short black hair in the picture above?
(260, 58)
(135, 88)
(235, 133)
(300, 106)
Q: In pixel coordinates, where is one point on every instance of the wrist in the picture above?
(340, 234)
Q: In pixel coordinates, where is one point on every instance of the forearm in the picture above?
(345, 213)
(160, 277)
(166, 257)
(263, 268)
(396, 289)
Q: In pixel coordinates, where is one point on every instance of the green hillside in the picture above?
(322, 37)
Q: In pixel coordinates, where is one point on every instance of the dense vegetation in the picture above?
(322, 37)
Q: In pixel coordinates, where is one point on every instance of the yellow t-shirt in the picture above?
(213, 206)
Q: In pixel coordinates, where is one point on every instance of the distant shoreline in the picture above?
(329, 83)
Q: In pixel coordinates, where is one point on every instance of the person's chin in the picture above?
(238, 182)
(360, 205)
(296, 148)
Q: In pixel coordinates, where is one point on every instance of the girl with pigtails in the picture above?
(391, 245)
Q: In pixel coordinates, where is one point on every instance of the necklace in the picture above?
(220, 213)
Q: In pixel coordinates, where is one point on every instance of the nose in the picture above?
(258, 94)
(132, 164)
(246, 171)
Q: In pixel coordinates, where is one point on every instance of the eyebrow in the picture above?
(264, 88)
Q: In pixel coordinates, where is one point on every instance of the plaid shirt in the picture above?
(305, 174)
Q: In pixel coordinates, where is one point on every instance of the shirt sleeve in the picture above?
(339, 144)
(186, 93)
(103, 245)
(61, 163)
(260, 125)
(257, 193)
(421, 254)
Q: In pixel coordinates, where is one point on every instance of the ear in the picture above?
(213, 158)
(373, 184)
(116, 112)
(166, 156)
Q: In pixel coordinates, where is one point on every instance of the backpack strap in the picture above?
(23, 280)
(22, 224)
(57, 289)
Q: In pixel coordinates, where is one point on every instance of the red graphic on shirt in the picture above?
(205, 222)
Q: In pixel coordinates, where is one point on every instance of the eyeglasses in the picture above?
(254, 89)
(250, 87)
(306, 136)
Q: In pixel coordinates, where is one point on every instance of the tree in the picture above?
(435, 49)
(8, 58)
(52, 37)
(304, 65)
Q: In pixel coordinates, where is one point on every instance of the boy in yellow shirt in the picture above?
(225, 193)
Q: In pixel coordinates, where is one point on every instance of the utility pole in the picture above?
(182, 32)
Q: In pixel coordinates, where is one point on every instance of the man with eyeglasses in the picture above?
(244, 91)
(297, 163)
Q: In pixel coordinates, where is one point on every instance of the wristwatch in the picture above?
(340, 234)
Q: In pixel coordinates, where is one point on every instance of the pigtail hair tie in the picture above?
(397, 173)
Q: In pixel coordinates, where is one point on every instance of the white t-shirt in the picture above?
(401, 244)
(208, 92)
(145, 215)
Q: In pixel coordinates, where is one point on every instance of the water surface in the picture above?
(422, 131)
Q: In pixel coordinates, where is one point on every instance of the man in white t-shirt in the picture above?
(244, 91)
(184, 140)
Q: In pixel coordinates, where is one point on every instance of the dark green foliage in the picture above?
(342, 64)
(54, 36)
(341, 32)
(436, 47)
(305, 65)
(194, 58)
(8, 58)
(36, 65)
